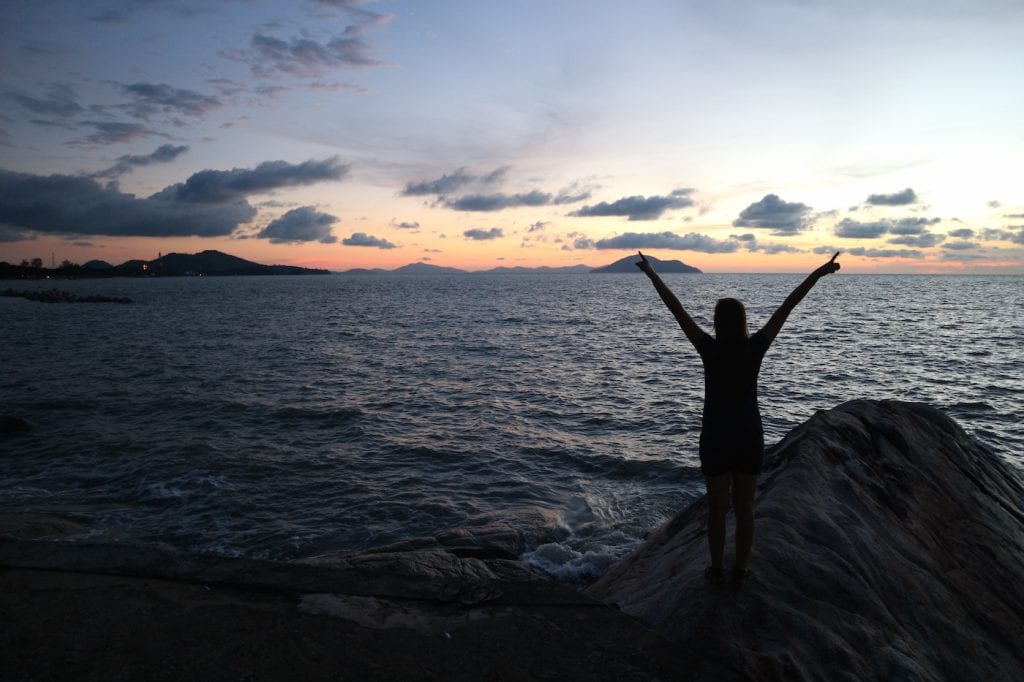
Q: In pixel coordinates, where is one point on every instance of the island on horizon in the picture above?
(213, 263)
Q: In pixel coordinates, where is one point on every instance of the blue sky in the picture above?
(736, 136)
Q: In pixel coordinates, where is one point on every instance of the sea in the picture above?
(291, 417)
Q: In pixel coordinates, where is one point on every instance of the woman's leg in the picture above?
(744, 488)
(718, 505)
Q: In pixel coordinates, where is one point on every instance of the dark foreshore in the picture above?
(888, 547)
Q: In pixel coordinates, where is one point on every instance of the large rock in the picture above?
(889, 546)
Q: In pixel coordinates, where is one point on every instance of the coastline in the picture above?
(888, 546)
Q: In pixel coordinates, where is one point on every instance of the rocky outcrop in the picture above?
(60, 296)
(889, 546)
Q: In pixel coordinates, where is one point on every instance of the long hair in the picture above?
(730, 320)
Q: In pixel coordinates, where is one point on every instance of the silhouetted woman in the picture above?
(731, 436)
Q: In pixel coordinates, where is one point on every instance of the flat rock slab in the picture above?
(94, 612)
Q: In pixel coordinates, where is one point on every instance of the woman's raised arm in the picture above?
(693, 332)
(774, 325)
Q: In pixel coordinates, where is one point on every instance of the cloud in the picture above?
(158, 98)
(749, 240)
(307, 57)
(354, 8)
(209, 204)
(962, 233)
(115, 132)
(537, 226)
(853, 229)
(880, 253)
(406, 225)
(480, 234)
(960, 246)
(59, 100)
(772, 213)
(13, 234)
(907, 196)
(444, 185)
(912, 225)
(497, 202)
(925, 240)
(363, 239)
(638, 207)
(667, 240)
(66, 204)
(125, 164)
(213, 186)
(1004, 235)
(303, 224)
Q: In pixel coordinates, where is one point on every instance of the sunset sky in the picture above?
(735, 136)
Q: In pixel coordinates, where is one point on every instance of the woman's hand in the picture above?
(645, 265)
(829, 267)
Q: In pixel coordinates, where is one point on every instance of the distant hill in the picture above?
(426, 269)
(624, 265)
(544, 269)
(628, 264)
(212, 263)
(216, 263)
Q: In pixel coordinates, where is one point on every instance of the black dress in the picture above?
(731, 436)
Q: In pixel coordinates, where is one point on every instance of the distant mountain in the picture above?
(544, 269)
(97, 265)
(214, 263)
(426, 269)
(628, 264)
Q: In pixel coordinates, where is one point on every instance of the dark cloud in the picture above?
(912, 225)
(58, 100)
(960, 246)
(881, 253)
(962, 233)
(406, 226)
(213, 186)
(907, 196)
(852, 229)
(908, 227)
(151, 99)
(1013, 216)
(209, 204)
(667, 240)
(125, 164)
(583, 243)
(772, 213)
(924, 240)
(363, 239)
(307, 57)
(566, 197)
(537, 226)
(13, 234)
(496, 176)
(303, 224)
(444, 185)
(749, 241)
(1017, 237)
(497, 202)
(480, 234)
(638, 207)
(65, 204)
(116, 132)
